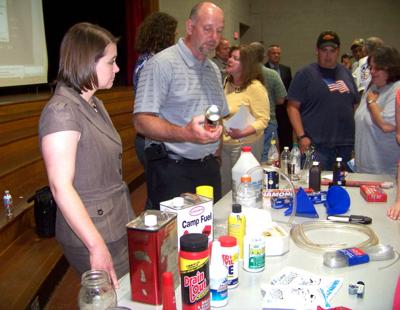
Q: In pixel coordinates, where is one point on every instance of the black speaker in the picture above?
(45, 210)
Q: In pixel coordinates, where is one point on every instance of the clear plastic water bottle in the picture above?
(285, 159)
(273, 154)
(246, 195)
(294, 168)
(7, 203)
(308, 162)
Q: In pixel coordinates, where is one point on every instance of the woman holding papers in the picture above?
(246, 95)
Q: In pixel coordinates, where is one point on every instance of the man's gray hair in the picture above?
(372, 43)
(259, 49)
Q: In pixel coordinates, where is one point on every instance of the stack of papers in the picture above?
(241, 119)
(294, 288)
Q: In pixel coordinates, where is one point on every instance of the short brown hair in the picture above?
(82, 46)
(387, 58)
(156, 33)
(251, 69)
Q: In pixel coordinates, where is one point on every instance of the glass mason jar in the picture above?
(96, 291)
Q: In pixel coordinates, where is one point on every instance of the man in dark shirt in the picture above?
(285, 131)
(321, 102)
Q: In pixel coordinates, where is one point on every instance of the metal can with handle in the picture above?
(153, 250)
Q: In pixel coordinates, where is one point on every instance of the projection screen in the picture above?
(23, 54)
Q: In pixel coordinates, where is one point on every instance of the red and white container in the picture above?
(152, 246)
(230, 258)
(195, 272)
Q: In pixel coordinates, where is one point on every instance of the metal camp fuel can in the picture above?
(153, 250)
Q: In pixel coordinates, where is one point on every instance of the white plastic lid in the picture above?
(315, 163)
(150, 220)
(338, 158)
(178, 201)
(286, 148)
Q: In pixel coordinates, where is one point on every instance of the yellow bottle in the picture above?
(237, 226)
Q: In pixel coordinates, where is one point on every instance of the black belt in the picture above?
(179, 158)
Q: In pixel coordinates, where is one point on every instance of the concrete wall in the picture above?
(296, 24)
(235, 10)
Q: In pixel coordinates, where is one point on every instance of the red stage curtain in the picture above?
(134, 15)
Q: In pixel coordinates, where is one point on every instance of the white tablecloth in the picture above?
(379, 283)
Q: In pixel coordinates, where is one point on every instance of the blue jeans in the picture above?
(272, 128)
(327, 155)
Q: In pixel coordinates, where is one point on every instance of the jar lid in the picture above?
(194, 242)
(227, 241)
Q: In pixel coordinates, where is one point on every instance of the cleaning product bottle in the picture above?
(237, 226)
(254, 251)
(218, 277)
(194, 270)
(246, 163)
(230, 259)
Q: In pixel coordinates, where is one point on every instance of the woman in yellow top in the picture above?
(244, 85)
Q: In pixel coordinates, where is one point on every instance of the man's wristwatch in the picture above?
(299, 138)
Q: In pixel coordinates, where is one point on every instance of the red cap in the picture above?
(227, 241)
(246, 148)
